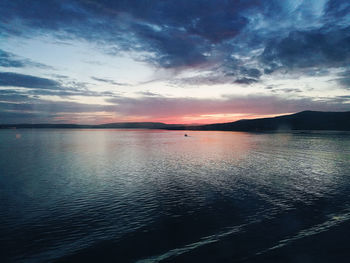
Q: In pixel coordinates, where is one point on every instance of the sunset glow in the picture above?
(171, 61)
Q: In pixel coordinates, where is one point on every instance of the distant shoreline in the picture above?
(302, 121)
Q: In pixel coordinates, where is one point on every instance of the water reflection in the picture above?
(143, 194)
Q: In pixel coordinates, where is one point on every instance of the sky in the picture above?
(171, 61)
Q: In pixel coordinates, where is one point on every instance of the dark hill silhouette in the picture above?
(306, 120)
(117, 125)
(137, 125)
(44, 126)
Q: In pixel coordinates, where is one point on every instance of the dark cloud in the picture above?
(13, 96)
(181, 34)
(344, 79)
(286, 90)
(9, 60)
(55, 107)
(251, 72)
(22, 106)
(209, 79)
(43, 86)
(226, 74)
(218, 26)
(245, 81)
(344, 97)
(316, 48)
(27, 81)
(171, 47)
(40, 111)
(176, 33)
(14, 117)
(44, 14)
(64, 93)
(337, 9)
(109, 81)
(344, 82)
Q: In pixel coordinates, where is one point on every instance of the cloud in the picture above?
(174, 34)
(10, 60)
(158, 108)
(147, 93)
(8, 79)
(38, 86)
(344, 79)
(290, 90)
(13, 117)
(316, 48)
(13, 96)
(16, 107)
(245, 81)
(162, 107)
(218, 26)
(225, 74)
(337, 10)
(221, 42)
(182, 34)
(46, 106)
(109, 81)
(204, 79)
(42, 111)
(344, 82)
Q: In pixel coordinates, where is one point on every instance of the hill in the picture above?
(305, 120)
(117, 125)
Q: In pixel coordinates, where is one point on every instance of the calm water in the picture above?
(150, 195)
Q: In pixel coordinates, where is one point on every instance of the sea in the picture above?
(119, 195)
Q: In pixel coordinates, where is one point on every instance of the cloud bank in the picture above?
(238, 43)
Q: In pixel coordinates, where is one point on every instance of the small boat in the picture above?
(186, 135)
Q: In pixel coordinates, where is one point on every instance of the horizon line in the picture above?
(158, 122)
